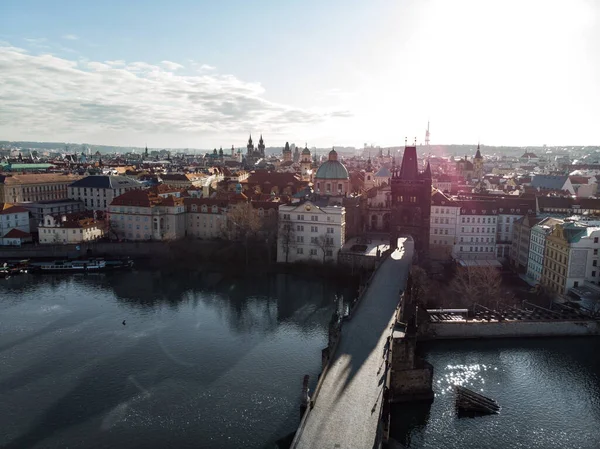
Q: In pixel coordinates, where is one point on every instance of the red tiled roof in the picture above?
(8, 208)
(17, 234)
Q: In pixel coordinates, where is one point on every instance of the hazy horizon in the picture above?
(194, 74)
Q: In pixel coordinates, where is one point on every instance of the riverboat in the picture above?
(81, 266)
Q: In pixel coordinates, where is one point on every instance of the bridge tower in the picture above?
(411, 201)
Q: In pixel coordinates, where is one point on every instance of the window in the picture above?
(314, 229)
(435, 230)
(301, 217)
(461, 248)
(313, 252)
(593, 274)
(462, 229)
(299, 250)
(595, 239)
(446, 231)
(328, 253)
(594, 263)
(329, 230)
(286, 216)
(300, 239)
(314, 218)
(575, 284)
(300, 228)
(314, 240)
(435, 220)
(596, 252)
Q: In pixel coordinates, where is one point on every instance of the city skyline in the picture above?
(198, 74)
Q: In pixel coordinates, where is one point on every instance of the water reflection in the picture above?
(549, 391)
(203, 361)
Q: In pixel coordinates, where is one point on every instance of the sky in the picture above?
(205, 74)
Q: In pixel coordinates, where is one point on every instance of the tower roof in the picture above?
(409, 168)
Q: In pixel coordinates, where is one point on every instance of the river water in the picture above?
(201, 361)
(209, 362)
(549, 391)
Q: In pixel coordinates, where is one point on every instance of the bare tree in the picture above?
(287, 237)
(420, 284)
(482, 285)
(325, 244)
(242, 224)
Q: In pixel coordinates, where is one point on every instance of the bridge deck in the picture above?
(346, 411)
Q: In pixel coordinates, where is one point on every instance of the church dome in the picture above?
(306, 151)
(332, 169)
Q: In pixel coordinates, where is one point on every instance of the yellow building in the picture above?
(35, 187)
(571, 256)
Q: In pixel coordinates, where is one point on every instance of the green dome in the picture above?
(332, 170)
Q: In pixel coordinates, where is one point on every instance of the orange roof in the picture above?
(38, 178)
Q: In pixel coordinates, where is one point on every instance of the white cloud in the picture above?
(207, 67)
(169, 65)
(45, 97)
(70, 37)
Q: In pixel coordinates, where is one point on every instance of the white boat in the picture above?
(75, 266)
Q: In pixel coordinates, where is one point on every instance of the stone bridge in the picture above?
(347, 406)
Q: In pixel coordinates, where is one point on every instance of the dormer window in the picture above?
(204, 208)
(214, 209)
(194, 208)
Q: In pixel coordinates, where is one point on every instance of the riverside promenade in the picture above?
(347, 409)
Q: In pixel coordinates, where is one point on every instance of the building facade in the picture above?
(39, 209)
(97, 192)
(476, 231)
(537, 247)
(35, 187)
(14, 224)
(70, 228)
(444, 217)
(206, 217)
(309, 231)
(144, 215)
(521, 242)
(570, 257)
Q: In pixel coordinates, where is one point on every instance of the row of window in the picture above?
(487, 240)
(313, 252)
(441, 220)
(479, 220)
(312, 229)
(478, 230)
(300, 217)
(478, 249)
(442, 210)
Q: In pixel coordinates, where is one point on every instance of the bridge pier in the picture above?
(411, 378)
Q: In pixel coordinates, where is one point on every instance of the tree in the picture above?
(287, 237)
(480, 285)
(325, 244)
(242, 224)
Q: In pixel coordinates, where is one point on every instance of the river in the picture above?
(548, 388)
(212, 362)
(145, 360)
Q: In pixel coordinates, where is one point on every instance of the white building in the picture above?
(206, 217)
(98, 191)
(476, 230)
(70, 228)
(509, 211)
(443, 222)
(310, 232)
(537, 246)
(14, 225)
(144, 215)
